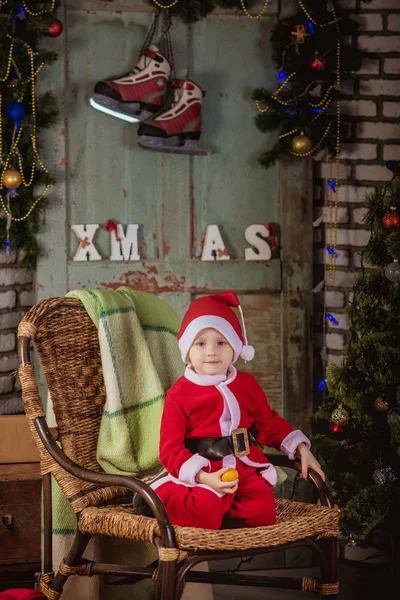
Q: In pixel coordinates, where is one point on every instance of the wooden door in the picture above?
(102, 173)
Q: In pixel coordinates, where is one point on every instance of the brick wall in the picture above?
(372, 110)
(15, 298)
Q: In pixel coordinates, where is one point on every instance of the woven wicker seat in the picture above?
(67, 344)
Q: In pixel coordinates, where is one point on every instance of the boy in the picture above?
(205, 423)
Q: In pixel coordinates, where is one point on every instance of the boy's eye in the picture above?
(221, 343)
(200, 344)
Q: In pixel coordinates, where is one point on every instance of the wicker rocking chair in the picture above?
(67, 344)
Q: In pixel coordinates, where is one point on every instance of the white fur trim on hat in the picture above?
(213, 322)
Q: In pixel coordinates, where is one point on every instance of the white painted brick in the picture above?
(368, 22)
(325, 170)
(10, 320)
(7, 342)
(379, 43)
(391, 65)
(17, 385)
(379, 131)
(364, 108)
(342, 279)
(334, 341)
(15, 276)
(373, 173)
(7, 260)
(391, 152)
(9, 363)
(334, 299)
(357, 261)
(26, 298)
(378, 4)
(350, 297)
(8, 299)
(335, 358)
(321, 257)
(343, 214)
(342, 320)
(369, 66)
(359, 214)
(350, 193)
(380, 87)
(394, 22)
(347, 87)
(391, 109)
(359, 151)
(347, 4)
(6, 384)
(13, 405)
(352, 237)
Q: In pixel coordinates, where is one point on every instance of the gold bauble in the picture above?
(381, 405)
(12, 178)
(340, 416)
(301, 144)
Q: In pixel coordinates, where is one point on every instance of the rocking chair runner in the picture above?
(68, 347)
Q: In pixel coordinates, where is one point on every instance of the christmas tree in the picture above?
(24, 178)
(356, 429)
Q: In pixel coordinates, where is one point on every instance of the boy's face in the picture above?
(210, 353)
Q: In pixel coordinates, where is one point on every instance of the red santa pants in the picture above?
(253, 504)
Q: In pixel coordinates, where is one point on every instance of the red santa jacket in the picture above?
(204, 406)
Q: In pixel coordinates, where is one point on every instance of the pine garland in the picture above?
(190, 11)
(363, 459)
(306, 102)
(22, 30)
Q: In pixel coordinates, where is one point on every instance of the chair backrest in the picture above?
(67, 344)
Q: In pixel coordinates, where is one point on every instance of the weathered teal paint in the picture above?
(102, 173)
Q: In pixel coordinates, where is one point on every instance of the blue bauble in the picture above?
(16, 111)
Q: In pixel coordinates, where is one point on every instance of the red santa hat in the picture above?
(215, 312)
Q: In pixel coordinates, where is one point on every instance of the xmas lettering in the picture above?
(124, 244)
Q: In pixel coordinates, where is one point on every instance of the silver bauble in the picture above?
(392, 271)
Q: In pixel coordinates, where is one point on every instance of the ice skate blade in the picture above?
(156, 144)
(112, 107)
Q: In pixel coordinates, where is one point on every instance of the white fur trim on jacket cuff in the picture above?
(292, 440)
(190, 468)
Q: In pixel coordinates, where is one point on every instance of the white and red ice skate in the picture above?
(139, 94)
(177, 128)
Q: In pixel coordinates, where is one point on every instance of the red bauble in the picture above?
(391, 220)
(335, 428)
(55, 29)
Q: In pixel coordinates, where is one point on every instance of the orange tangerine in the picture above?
(230, 475)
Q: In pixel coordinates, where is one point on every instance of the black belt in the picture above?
(238, 443)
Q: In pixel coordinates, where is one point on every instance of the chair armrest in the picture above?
(281, 460)
(132, 483)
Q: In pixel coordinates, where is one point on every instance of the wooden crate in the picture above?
(20, 524)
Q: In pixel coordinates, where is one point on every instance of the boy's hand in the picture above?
(308, 460)
(213, 480)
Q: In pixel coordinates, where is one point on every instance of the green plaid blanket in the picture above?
(141, 360)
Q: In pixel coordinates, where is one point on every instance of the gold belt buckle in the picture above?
(236, 447)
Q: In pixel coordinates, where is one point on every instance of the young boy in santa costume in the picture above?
(205, 423)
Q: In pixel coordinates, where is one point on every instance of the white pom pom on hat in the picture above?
(215, 312)
(247, 353)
